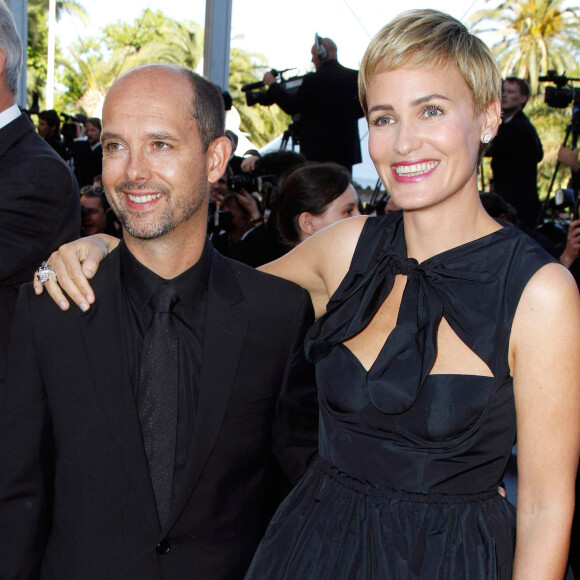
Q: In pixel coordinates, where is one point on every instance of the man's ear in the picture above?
(218, 155)
(306, 223)
(2, 61)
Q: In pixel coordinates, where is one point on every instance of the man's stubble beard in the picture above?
(178, 208)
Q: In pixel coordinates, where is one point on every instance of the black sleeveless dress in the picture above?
(406, 484)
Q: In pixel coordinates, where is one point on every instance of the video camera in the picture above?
(250, 182)
(560, 97)
(70, 129)
(255, 96)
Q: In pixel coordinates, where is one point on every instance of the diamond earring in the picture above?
(486, 138)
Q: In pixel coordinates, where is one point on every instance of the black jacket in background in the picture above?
(515, 153)
(329, 111)
(39, 211)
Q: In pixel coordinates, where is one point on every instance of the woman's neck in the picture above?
(431, 231)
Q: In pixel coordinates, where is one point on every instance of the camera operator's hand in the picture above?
(569, 157)
(74, 263)
(249, 203)
(572, 249)
(249, 163)
(269, 79)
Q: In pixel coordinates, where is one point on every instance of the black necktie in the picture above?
(157, 396)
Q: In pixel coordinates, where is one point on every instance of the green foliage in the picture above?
(38, 38)
(92, 64)
(261, 123)
(531, 36)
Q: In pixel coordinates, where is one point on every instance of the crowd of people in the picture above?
(255, 386)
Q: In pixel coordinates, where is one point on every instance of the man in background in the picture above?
(49, 129)
(88, 153)
(39, 198)
(515, 153)
(328, 105)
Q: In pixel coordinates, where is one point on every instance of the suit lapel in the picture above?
(106, 352)
(226, 325)
(12, 132)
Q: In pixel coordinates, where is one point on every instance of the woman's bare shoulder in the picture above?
(320, 263)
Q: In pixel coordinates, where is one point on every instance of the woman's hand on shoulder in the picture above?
(74, 264)
(320, 262)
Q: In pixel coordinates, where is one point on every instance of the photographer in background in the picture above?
(255, 239)
(515, 153)
(328, 104)
(571, 252)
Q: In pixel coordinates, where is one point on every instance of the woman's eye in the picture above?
(383, 120)
(432, 111)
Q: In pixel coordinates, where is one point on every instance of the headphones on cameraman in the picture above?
(321, 50)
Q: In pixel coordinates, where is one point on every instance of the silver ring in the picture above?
(45, 272)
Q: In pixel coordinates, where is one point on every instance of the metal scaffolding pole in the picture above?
(216, 53)
(19, 9)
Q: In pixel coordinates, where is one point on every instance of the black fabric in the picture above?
(76, 499)
(57, 143)
(189, 315)
(157, 396)
(515, 153)
(39, 211)
(329, 109)
(410, 461)
(88, 162)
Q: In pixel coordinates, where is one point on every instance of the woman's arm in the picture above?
(321, 262)
(75, 263)
(545, 362)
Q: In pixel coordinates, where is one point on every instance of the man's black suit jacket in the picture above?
(88, 162)
(76, 500)
(329, 111)
(515, 153)
(39, 211)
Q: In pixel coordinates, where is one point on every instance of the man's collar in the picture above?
(141, 283)
(508, 118)
(8, 115)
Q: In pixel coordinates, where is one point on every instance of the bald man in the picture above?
(328, 105)
(140, 440)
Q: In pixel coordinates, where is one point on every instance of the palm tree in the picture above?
(38, 37)
(37, 10)
(262, 124)
(533, 36)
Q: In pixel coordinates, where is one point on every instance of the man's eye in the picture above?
(112, 146)
(160, 145)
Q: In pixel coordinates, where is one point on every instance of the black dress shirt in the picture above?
(189, 315)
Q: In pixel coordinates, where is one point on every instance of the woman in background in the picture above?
(313, 197)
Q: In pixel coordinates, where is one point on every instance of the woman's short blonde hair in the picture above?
(428, 38)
